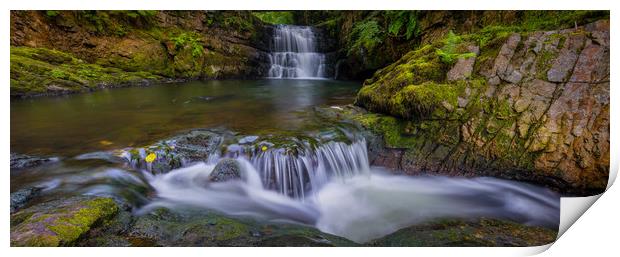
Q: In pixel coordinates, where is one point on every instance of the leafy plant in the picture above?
(237, 22)
(52, 13)
(189, 40)
(397, 20)
(367, 35)
(449, 52)
(280, 17)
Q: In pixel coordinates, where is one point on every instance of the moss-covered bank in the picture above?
(58, 52)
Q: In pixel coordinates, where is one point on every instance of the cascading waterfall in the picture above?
(331, 186)
(297, 175)
(294, 53)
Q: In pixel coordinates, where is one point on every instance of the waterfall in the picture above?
(297, 175)
(294, 53)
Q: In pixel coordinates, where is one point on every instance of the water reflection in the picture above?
(76, 124)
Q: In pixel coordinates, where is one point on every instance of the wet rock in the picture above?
(505, 54)
(248, 139)
(464, 66)
(193, 146)
(20, 197)
(60, 222)
(482, 232)
(567, 57)
(21, 161)
(225, 170)
(163, 227)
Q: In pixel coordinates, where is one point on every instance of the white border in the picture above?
(594, 234)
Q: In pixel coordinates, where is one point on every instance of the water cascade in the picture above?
(332, 187)
(294, 53)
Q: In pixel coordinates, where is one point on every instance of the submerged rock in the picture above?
(226, 169)
(21, 161)
(20, 197)
(60, 222)
(163, 227)
(482, 232)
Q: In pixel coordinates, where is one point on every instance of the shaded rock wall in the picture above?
(529, 106)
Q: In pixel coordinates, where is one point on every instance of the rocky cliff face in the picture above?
(371, 40)
(530, 106)
(72, 51)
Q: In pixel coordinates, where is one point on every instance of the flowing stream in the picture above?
(334, 188)
(328, 184)
(294, 54)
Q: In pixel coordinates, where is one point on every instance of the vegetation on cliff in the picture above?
(501, 103)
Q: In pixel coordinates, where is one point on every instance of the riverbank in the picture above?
(61, 52)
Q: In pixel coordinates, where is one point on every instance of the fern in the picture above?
(397, 19)
(189, 40)
(449, 53)
(367, 35)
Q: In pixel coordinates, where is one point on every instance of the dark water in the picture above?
(117, 118)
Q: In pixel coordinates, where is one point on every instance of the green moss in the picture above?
(228, 229)
(482, 232)
(62, 225)
(277, 17)
(70, 228)
(453, 49)
(34, 70)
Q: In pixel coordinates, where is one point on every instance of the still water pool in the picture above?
(117, 118)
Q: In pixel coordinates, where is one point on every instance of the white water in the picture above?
(294, 54)
(343, 196)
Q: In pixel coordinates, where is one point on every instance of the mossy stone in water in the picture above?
(455, 232)
(60, 222)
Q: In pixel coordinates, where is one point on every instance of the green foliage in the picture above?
(279, 17)
(98, 19)
(141, 13)
(449, 53)
(396, 20)
(367, 35)
(59, 74)
(238, 23)
(545, 20)
(52, 13)
(188, 40)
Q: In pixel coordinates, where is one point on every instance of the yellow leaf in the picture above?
(105, 142)
(150, 158)
(264, 148)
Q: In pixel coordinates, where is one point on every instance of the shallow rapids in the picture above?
(361, 206)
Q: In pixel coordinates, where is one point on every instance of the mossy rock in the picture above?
(482, 232)
(164, 227)
(60, 222)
